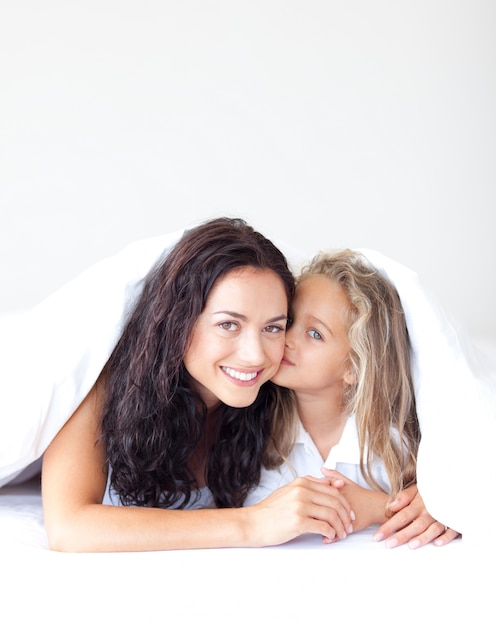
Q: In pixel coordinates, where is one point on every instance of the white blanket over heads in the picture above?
(52, 356)
(456, 407)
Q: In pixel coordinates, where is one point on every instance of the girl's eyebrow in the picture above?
(319, 321)
(243, 318)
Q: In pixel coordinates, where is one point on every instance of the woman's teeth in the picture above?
(239, 375)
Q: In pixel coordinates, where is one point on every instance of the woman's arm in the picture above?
(406, 520)
(74, 482)
(411, 523)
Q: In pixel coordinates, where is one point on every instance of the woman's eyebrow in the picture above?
(242, 317)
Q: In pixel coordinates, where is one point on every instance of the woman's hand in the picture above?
(305, 505)
(411, 523)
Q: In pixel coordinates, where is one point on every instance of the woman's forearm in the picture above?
(103, 528)
(303, 506)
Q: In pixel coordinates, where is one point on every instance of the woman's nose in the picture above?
(251, 349)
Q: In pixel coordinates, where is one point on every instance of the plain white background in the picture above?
(323, 123)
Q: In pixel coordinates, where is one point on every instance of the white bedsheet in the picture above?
(356, 581)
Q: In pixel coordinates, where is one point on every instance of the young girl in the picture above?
(346, 398)
(178, 421)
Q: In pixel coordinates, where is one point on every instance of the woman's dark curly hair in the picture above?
(152, 419)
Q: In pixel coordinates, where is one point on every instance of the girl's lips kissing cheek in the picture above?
(242, 377)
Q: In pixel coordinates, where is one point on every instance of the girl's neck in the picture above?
(324, 420)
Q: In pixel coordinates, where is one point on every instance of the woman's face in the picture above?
(317, 347)
(238, 340)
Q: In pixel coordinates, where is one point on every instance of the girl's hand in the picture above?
(368, 505)
(305, 505)
(412, 524)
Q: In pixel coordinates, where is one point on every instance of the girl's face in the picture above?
(317, 347)
(238, 340)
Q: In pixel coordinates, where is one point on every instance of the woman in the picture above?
(180, 415)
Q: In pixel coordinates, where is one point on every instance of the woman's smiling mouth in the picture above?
(242, 376)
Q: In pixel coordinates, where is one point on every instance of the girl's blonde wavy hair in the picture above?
(382, 396)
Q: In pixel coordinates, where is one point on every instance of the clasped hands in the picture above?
(404, 520)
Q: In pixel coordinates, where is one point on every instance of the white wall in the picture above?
(324, 123)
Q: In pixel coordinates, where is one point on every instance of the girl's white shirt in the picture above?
(306, 460)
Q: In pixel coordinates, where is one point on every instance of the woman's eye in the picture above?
(228, 326)
(273, 329)
(315, 334)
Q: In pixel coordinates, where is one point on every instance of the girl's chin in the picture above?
(279, 379)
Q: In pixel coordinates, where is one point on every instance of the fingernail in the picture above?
(350, 528)
(391, 543)
(352, 515)
(378, 537)
(415, 543)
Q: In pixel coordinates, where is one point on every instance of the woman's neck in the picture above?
(198, 460)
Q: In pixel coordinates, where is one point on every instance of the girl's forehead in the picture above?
(318, 290)
(317, 281)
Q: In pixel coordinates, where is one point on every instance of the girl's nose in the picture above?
(289, 338)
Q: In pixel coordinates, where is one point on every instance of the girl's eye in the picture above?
(230, 326)
(315, 334)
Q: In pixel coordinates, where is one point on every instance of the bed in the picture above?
(355, 581)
